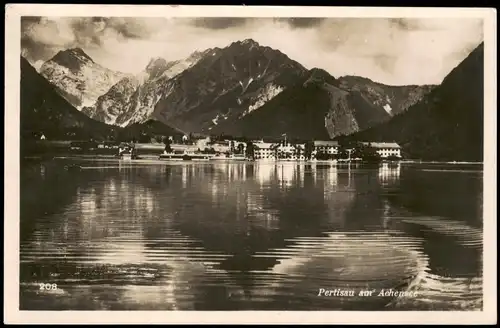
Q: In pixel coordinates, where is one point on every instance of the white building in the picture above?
(292, 152)
(326, 146)
(184, 149)
(265, 150)
(385, 149)
(203, 143)
(274, 151)
(221, 146)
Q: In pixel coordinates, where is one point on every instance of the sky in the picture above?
(395, 51)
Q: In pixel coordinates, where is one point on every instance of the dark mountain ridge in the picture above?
(448, 123)
(319, 106)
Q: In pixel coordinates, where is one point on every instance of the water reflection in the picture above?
(265, 172)
(240, 236)
(388, 173)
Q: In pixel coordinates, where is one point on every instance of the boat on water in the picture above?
(232, 157)
(127, 152)
(220, 157)
(185, 156)
(237, 157)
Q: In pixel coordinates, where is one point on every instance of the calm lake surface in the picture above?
(250, 236)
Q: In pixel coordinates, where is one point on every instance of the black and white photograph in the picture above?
(261, 160)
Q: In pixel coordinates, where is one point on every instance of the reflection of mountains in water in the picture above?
(252, 248)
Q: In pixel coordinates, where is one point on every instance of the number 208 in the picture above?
(48, 286)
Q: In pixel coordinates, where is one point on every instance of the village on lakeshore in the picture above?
(189, 147)
(227, 148)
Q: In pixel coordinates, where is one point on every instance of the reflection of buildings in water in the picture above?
(239, 171)
(241, 204)
(231, 172)
(42, 171)
(345, 175)
(111, 209)
(86, 208)
(331, 180)
(386, 212)
(184, 176)
(123, 166)
(349, 175)
(112, 184)
(286, 174)
(310, 173)
(300, 175)
(389, 173)
(234, 172)
(223, 168)
(215, 190)
(338, 204)
(264, 172)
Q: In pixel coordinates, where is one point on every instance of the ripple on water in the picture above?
(108, 258)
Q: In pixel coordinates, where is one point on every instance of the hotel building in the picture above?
(327, 147)
(385, 149)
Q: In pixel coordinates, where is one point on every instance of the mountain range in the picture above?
(216, 90)
(250, 90)
(322, 107)
(45, 111)
(448, 123)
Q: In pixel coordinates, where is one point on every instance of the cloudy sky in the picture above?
(387, 50)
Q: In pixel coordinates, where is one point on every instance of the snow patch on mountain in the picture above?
(388, 109)
(269, 92)
(179, 66)
(245, 86)
(216, 119)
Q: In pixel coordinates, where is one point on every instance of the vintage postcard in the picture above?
(240, 164)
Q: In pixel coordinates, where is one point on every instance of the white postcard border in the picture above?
(11, 171)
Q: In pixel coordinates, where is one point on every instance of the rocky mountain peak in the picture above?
(80, 53)
(156, 67)
(72, 58)
(77, 77)
(156, 61)
(247, 44)
(320, 75)
(197, 55)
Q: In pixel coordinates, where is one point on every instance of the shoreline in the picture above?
(154, 158)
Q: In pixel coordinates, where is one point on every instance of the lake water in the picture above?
(250, 236)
